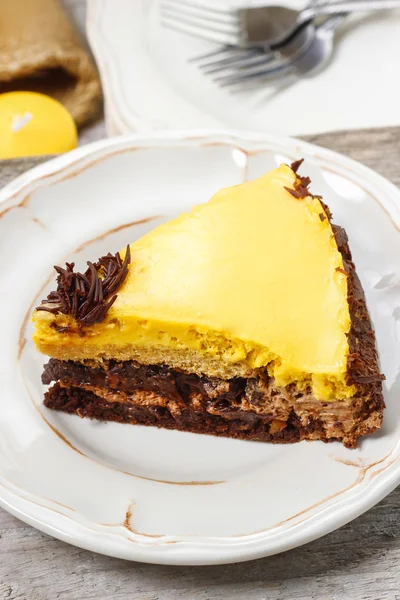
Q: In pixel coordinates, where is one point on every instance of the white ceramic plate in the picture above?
(149, 83)
(163, 496)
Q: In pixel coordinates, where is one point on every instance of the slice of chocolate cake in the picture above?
(243, 318)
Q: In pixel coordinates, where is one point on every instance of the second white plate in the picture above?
(150, 83)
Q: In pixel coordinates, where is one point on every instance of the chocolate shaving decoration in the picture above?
(340, 270)
(322, 216)
(301, 188)
(294, 193)
(296, 165)
(301, 184)
(88, 296)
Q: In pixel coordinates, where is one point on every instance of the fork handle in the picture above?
(340, 6)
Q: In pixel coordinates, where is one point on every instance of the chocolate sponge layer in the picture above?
(253, 408)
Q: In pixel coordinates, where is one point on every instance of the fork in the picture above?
(254, 27)
(226, 58)
(240, 76)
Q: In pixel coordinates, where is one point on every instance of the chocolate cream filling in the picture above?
(256, 407)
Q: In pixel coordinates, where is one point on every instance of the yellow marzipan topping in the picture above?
(252, 276)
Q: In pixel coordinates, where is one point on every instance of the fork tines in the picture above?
(201, 20)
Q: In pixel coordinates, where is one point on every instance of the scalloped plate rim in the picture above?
(387, 479)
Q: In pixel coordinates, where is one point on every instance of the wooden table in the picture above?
(360, 561)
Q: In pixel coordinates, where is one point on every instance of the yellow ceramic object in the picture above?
(33, 124)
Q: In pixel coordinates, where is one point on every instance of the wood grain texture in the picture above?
(357, 562)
